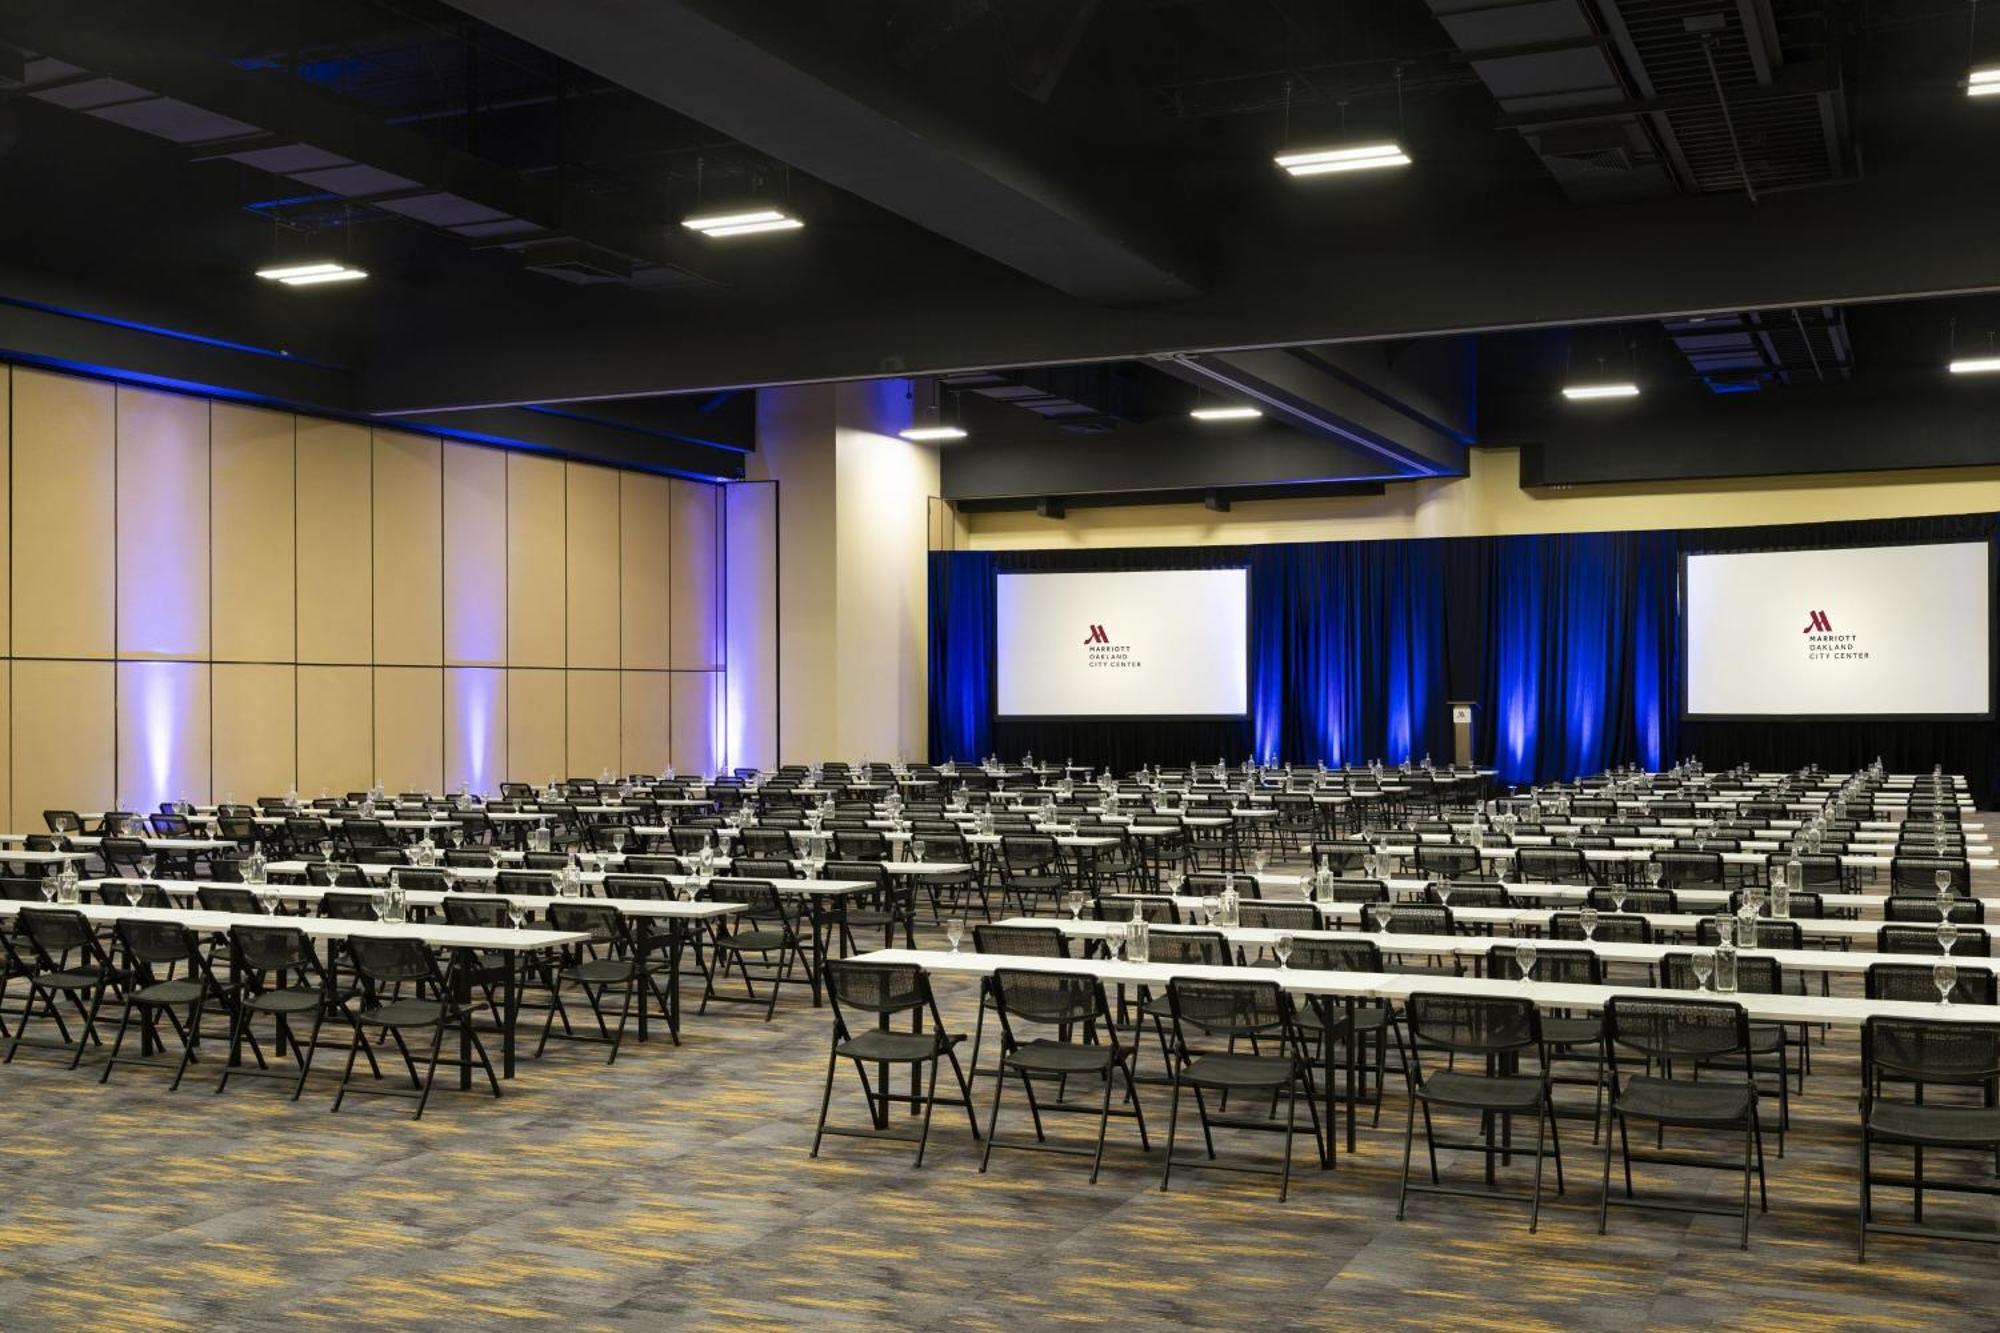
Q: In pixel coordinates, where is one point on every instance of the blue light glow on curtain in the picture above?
(961, 654)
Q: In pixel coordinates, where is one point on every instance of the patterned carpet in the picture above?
(674, 1190)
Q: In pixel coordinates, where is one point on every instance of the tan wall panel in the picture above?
(253, 543)
(409, 550)
(696, 703)
(409, 728)
(475, 728)
(644, 586)
(255, 729)
(475, 559)
(592, 574)
(695, 602)
(646, 721)
(536, 633)
(162, 524)
(6, 519)
(536, 709)
(30, 821)
(64, 501)
(335, 544)
(163, 734)
(64, 743)
(336, 729)
(593, 723)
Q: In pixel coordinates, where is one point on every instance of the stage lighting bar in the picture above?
(1580, 393)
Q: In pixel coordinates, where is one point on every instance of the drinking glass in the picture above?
(954, 931)
(1947, 935)
(1944, 976)
(1211, 906)
(1114, 939)
(917, 850)
(1283, 948)
(146, 864)
(48, 887)
(1703, 961)
(1524, 959)
(1444, 892)
(517, 912)
(1653, 872)
(1073, 900)
(1944, 904)
(1258, 860)
(1587, 918)
(379, 900)
(1617, 896)
(1943, 881)
(1381, 914)
(134, 891)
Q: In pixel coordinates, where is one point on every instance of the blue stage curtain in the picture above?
(961, 655)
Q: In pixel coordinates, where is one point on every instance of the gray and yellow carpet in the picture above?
(674, 1189)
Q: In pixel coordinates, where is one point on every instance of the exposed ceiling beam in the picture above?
(1313, 396)
(704, 61)
(1411, 272)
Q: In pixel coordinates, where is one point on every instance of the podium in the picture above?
(1464, 717)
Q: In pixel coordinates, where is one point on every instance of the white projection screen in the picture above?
(1853, 632)
(1165, 643)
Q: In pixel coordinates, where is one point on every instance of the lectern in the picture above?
(1464, 714)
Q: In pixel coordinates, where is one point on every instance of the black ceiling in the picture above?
(1001, 184)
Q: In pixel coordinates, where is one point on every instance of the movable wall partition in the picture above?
(210, 600)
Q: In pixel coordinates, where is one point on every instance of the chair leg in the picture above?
(1173, 1130)
(825, 1101)
(1604, 1199)
(1103, 1127)
(930, 1104)
(1409, 1144)
(1544, 1117)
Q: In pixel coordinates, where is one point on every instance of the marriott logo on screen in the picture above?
(1823, 645)
(1102, 652)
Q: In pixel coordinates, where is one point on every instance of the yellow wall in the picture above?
(213, 601)
(1490, 502)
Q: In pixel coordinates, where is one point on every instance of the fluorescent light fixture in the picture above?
(923, 434)
(280, 273)
(1237, 413)
(311, 273)
(1360, 157)
(747, 223)
(1585, 392)
(1978, 365)
(1984, 82)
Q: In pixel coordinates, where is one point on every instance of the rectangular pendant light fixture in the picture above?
(1983, 82)
(924, 434)
(1585, 392)
(1360, 157)
(1234, 413)
(1978, 365)
(311, 273)
(748, 223)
